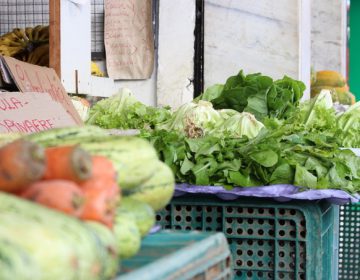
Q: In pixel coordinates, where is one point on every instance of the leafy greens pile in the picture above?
(287, 155)
(302, 150)
(257, 94)
(216, 140)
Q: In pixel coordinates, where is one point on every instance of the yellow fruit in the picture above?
(95, 70)
(329, 78)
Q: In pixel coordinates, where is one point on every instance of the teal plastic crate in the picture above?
(349, 243)
(268, 239)
(173, 255)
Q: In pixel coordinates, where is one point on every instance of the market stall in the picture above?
(151, 149)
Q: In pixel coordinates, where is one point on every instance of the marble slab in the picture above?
(328, 33)
(257, 36)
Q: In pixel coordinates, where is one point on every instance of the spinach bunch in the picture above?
(259, 95)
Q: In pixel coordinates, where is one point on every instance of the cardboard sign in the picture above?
(33, 78)
(31, 112)
(129, 39)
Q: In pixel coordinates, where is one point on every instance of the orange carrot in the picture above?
(68, 163)
(21, 163)
(102, 167)
(101, 199)
(61, 195)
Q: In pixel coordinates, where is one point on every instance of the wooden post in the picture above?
(54, 40)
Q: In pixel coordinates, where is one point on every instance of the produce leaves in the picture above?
(124, 111)
(288, 155)
(259, 95)
(265, 158)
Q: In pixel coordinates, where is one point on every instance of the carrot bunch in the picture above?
(64, 178)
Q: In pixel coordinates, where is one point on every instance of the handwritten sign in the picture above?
(33, 78)
(31, 112)
(129, 39)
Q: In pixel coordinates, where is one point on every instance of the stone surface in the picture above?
(176, 52)
(257, 36)
(328, 35)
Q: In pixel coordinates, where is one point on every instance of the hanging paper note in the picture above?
(129, 39)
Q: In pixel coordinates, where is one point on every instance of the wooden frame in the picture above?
(54, 39)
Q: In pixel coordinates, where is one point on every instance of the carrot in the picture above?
(61, 195)
(21, 163)
(101, 198)
(102, 167)
(68, 163)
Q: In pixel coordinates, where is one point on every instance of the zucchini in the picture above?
(15, 262)
(158, 190)
(144, 215)
(107, 248)
(61, 247)
(127, 235)
(57, 135)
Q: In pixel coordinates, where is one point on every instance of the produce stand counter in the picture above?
(179, 255)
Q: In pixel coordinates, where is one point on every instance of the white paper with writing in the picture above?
(129, 39)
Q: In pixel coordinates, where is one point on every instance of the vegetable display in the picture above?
(91, 196)
(66, 189)
(140, 173)
(283, 156)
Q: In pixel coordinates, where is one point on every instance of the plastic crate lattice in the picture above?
(267, 242)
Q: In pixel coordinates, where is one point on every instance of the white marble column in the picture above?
(328, 35)
(257, 36)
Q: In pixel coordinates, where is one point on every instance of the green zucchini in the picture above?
(107, 248)
(127, 235)
(62, 247)
(158, 190)
(56, 135)
(15, 262)
(144, 215)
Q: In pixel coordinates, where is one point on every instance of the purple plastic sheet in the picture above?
(280, 193)
(155, 229)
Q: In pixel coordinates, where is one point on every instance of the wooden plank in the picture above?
(55, 39)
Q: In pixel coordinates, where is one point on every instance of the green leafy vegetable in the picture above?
(238, 125)
(201, 119)
(287, 155)
(124, 111)
(193, 119)
(210, 93)
(349, 124)
(257, 94)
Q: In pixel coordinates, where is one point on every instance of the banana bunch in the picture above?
(95, 70)
(30, 44)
